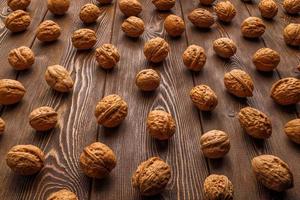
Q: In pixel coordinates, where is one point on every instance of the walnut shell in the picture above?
(268, 8)
(97, 160)
(17, 21)
(11, 91)
(225, 11)
(291, 6)
(43, 118)
(204, 98)
(58, 7)
(266, 59)
(292, 130)
(206, 2)
(272, 172)
(151, 176)
(21, 58)
(133, 26)
(147, 80)
(164, 5)
(253, 27)
(111, 111)
(63, 194)
(130, 7)
(48, 31)
(156, 50)
(194, 58)
(2, 126)
(224, 47)
(161, 125)
(107, 56)
(286, 91)
(105, 1)
(58, 78)
(215, 144)
(218, 187)
(174, 25)
(239, 83)
(201, 18)
(84, 39)
(25, 159)
(18, 4)
(89, 13)
(291, 34)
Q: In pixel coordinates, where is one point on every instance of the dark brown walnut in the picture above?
(291, 34)
(97, 160)
(272, 172)
(164, 4)
(133, 26)
(58, 78)
(194, 58)
(63, 194)
(147, 80)
(151, 176)
(218, 187)
(225, 11)
(130, 7)
(58, 7)
(107, 56)
(224, 47)
(11, 91)
(18, 4)
(253, 27)
(17, 21)
(215, 144)
(111, 111)
(21, 58)
(89, 13)
(156, 50)
(291, 6)
(84, 38)
(292, 130)
(206, 2)
(239, 83)
(2, 126)
(105, 1)
(25, 159)
(298, 67)
(266, 59)
(204, 98)
(201, 18)
(268, 8)
(161, 125)
(174, 25)
(48, 31)
(43, 118)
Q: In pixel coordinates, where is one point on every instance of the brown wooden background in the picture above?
(78, 127)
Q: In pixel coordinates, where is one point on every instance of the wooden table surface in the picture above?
(130, 141)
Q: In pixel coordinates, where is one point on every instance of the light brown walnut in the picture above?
(48, 31)
(84, 38)
(17, 21)
(107, 56)
(204, 98)
(174, 25)
(291, 34)
(2, 126)
(133, 26)
(130, 7)
(147, 80)
(105, 1)
(11, 91)
(224, 47)
(225, 11)
(201, 18)
(194, 58)
(58, 78)
(292, 130)
(218, 187)
(21, 58)
(266, 59)
(156, 50)
(89, 13)
(206, 2)
(268, 8)
(253, 27)
(164, 4)
(18, 4)
(63, 194)
(58, 7)
(43, 118)
(292, 6)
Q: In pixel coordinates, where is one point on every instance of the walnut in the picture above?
(2, 126)
(48, 31)
(147, 80)
(215, 144)
(156, 50)
(225, 11)
(291, 34)
(174, 25)
(194, 58)
(164, 4)
(111, 111)
(43, 118)
(89, 13)
(206, 2)
(291, 6)
(201, 18)
(84, 39)
(58, 78)
(291, 129)
(17, 21)
(25, 159)
(151, 176)
(58, 7)
(268, 8)
(21, 58)
(218, 187)
(63, 194)
(224, 47)
(18, 4)
(133, 26)
(204, 98)
(161, 125)
(105, 1)
(107, 56)
(266, 59)
(97, 160)
(253, 27)
(11, 91)
(239, 83)
(130, 7)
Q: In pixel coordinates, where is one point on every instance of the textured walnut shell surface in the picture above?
(84, 39)
(256, 123)
(2, 125)
(253, 27)
(111, 111)
(194, 58)
(130, 7)
(292, 130)
(147, 80)
(215, 144)
(291, 34)
(25, 159)
(156, 50)
(268, 8)
(218, 187)
(63, 194)
(291, 6)
(21, 58)
(97, 160)
(17, 21)
(18, 4)
(48, 31)
(174, 25)
(133, 26)
(107, 56)
(58, 7)
(204, 98)
(89, 13)
(164, 4)
(224, 47)
(11, 91)
(206, 2)
(58, 78)
(286, 91)
(225, 11)
(272, 172)
(266, 59)
(201, 18)
(151, 176)
(43, 118)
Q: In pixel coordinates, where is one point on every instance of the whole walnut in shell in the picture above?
(107, 56)
(239, 83)
(133, 26)
(206, 2)
(48, 31)
(286, 91)
(111, 111)
(161, 125)
(194, 57)
(291, 34)
(204, 98)
(224, 47)
(147, 80)
(253, 27)
(292, 130)
(272, 172)
(151, 176)
(18, 4)
(21, 58)
(268, 8)
(218, 187)
(43, 118)
(63, 194)
(2, 126)
(130, 7)
(58, 78)
(89, 13)
(17, 21)
(11, 91)
(156, 50)
(201, 18)
(97, 160)
(25, 159)
(84, 39)
(215, 144)
(164, 4)
(58, 7)
(225, 11)
(266, 59)
(174, 25)
(291, 6)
